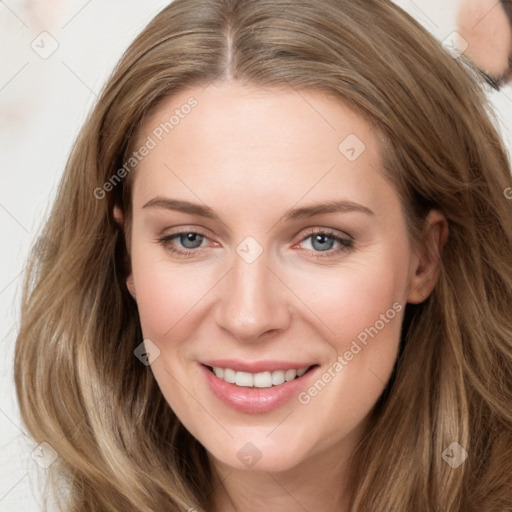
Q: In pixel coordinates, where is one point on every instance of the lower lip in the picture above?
(255, 400)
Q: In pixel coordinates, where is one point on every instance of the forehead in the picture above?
(254, 116)
(238, 140)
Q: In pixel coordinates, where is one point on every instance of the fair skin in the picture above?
(486, 28)
(251, 155)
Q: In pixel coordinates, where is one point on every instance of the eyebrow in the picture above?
(293, 214)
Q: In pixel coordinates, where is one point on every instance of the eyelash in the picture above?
(346, 243)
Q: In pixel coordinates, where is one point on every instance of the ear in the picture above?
(425, 271)
(118, 215)
(131, 285)
(119, 218)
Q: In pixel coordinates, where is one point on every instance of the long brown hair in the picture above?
(80, 388)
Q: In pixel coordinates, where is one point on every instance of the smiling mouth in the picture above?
(264, 379)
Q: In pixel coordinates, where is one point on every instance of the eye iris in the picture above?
(322, 240)
(192, 238)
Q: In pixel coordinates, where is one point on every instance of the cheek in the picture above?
(166, 293)
(359, 312)
(356, 298)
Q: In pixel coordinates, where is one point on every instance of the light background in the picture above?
(43, 103)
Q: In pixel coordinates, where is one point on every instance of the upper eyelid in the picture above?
(331, 232)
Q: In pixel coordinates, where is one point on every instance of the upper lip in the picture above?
(256, 366)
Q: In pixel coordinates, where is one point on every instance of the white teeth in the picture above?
(290, 375)
(262, 380)
(277, 377)
(229, 375)
(244, 379)
(258, 380)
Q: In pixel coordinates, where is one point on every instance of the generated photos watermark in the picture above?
(454, 455)
(151, 142)
(342, 361)
(147, 352)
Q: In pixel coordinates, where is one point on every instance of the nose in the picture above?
(253, 300)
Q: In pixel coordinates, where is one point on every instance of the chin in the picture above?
(253, 459)
(259, 451)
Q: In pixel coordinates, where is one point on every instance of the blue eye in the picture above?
(190, 243)
(323, 241)
(190, 240)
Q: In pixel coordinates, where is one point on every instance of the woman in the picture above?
(281, 276)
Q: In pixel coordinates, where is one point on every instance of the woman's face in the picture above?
(265, 240)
